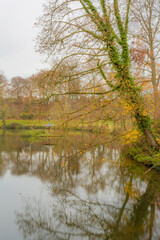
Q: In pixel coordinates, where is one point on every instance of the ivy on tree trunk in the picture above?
(120, 61)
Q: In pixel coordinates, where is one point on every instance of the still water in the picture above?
(74, 187)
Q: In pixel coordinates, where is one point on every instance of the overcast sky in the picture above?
(17, 55)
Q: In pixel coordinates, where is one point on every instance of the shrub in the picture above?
(27, 116)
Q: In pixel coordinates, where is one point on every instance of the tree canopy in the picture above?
(96, 32)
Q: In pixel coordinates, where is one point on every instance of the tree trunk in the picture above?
(150, 139)
(144, 124)
(134, 99)
(156, 105)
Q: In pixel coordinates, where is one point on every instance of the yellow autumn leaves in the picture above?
(131, 136)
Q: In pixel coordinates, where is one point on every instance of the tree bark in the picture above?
(156, 105)
(150, 139)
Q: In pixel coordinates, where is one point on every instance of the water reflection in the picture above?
(95, 194)
(74, 218)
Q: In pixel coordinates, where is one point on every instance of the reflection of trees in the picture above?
(74, 218)
(77, 219)
(64, 163)
(130, 214)
(2, 162)
(142, 219)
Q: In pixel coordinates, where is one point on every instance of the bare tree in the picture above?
(146, 15)
(3, 82)
(17, 87)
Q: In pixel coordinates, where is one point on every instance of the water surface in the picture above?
(75, 187)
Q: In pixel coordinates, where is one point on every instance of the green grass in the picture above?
(29, 123)
(142, 153)
(37, 133)
(75, 124)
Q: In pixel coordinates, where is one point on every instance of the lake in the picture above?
(74, 186)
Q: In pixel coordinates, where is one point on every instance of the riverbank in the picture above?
(142, 153)
(40, 128)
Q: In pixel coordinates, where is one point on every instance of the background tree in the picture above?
(145, 43)
(17, 88)
(3, 83)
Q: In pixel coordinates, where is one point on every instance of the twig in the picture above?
(151, 168)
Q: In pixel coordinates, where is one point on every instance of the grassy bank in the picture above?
(41, 129)
(142, 153)
(28, 123)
